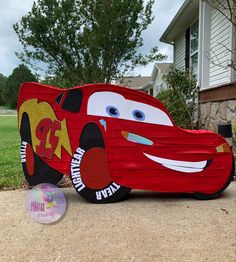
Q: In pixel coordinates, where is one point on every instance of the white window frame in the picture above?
(191, 54)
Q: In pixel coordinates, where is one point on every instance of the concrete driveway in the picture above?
(145, 227)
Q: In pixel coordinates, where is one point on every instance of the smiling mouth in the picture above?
(181, 166)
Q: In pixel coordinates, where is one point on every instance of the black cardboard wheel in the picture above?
(89, 169)
(36, 171)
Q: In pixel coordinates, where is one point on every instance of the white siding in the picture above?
(219, 55)
(179, 52)
(234, 47)
(159, 83)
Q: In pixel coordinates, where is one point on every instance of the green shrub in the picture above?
(180, 97)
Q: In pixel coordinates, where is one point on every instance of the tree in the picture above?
(86, 41)
(3, 82)
(19, 75)
(55, 81)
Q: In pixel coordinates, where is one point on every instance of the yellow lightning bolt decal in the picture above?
(38, 111)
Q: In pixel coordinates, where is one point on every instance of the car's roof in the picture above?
(138, 96)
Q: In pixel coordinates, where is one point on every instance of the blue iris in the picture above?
(112, 111)
(138, 115)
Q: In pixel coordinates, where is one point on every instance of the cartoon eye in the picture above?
(112, 111)
(138, 115)
(122, 108)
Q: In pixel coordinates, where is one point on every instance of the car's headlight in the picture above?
(223, 148)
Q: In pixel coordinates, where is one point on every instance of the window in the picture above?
(159, 87)
(191, 51)
(113, 105)
(151, 91)
(194, 48)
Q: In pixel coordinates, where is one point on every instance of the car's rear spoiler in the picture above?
(31, 90)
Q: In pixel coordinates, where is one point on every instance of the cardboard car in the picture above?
(110, 139)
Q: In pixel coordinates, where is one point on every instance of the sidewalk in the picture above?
(145, 227)
(7, 112)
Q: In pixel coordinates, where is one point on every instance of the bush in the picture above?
(180, 97)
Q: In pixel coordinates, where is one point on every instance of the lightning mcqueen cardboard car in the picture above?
(110, 139)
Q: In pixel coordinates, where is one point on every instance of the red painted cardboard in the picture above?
(111, 139)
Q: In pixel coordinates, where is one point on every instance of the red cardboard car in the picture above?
(111, 139)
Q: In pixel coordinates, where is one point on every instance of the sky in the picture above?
(11, 12)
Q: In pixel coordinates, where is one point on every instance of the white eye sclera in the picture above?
(111, 104)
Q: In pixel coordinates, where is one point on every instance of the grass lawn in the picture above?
(11, 174)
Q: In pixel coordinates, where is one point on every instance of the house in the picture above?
(140, 83)
(134, 82)
(203, 40)
(157, 83)
(150, 85)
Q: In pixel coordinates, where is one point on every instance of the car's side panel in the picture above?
(130, 166)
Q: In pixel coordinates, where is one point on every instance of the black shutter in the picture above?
(187, 48)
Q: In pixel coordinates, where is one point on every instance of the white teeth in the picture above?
(182, 166)
(184, 169)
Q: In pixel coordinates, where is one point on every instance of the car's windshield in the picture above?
(111, 104)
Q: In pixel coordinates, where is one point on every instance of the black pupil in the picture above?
(113, 111)
(138, 114)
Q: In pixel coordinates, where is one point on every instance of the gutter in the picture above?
(149, 84)
(172, 24)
